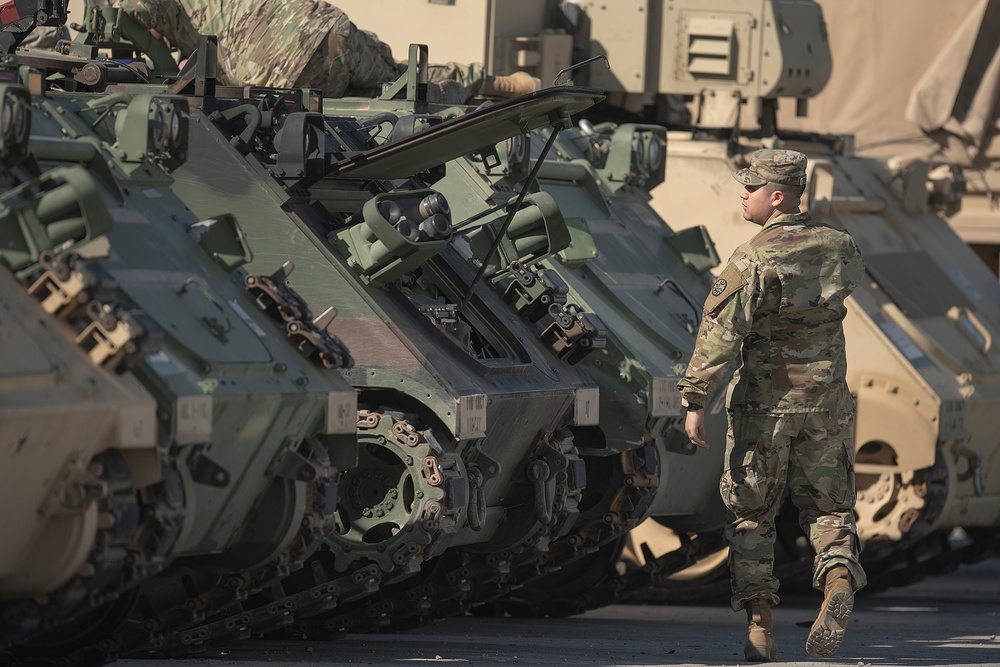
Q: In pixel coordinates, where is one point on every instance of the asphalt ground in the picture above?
(951, 619)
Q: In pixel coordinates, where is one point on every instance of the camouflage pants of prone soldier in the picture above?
(812, 455)
(355, 62)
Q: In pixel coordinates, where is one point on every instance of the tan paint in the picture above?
(57, 411)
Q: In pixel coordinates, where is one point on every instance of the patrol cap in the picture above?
(774, 166)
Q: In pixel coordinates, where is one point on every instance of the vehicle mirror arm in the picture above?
(607, 63)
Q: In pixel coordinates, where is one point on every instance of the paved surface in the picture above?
(946, 620)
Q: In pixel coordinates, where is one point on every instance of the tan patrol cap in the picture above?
(774, 166)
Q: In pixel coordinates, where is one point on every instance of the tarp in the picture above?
(955, 102)
(898, 68)
(918, 79)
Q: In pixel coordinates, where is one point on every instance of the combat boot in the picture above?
(512, 85)
(838, 601)
(760, 632)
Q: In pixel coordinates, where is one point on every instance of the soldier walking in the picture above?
(778, 307)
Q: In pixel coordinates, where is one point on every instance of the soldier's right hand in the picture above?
(694, 426)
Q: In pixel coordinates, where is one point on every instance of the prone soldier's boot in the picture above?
(511, 85)
(838, 600)
(760, 632)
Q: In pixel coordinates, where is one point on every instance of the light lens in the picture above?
(517, 149)
(175, 127)
(159, 128)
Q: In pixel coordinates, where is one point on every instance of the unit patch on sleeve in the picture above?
(730, 281)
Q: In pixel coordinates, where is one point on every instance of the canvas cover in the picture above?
(906, 69)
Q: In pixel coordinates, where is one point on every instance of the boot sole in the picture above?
(828, 631)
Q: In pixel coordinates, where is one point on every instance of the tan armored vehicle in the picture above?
(920, 330)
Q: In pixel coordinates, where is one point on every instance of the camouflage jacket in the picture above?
(779, 307)
(263, 43)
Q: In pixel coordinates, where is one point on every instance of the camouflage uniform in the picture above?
(779, 307)
(45, 37)
(287, 43)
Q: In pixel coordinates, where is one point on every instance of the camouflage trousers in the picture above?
(351, 61)
(809, 454)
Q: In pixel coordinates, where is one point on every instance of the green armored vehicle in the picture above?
(646, 283)
(164, 410)
(364, 219)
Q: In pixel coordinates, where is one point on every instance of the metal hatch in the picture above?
(486, 126)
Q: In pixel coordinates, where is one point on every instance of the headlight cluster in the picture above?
(637, 157)
(395, 233)
(426, 219)
(647, 154)
(517, 156)
(301, 148)
(15, 123)
(153, 129)
(517, 149)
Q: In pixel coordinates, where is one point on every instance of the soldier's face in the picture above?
(757, 204)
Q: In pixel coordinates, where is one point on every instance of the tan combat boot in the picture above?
(760, 633)
(512, 85)
(838, 601)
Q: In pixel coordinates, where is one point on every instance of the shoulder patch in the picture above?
(730, 281)
(719, 287)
